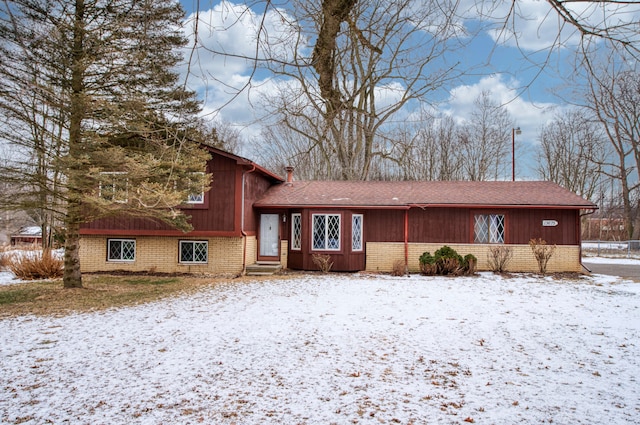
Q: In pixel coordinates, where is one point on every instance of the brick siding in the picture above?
(160, 254)
(382, 255)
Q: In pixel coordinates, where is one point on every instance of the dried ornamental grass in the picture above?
(323, 262)
(34, 265)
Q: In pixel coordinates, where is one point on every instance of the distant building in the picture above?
(28, 235)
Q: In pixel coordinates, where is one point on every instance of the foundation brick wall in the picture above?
(284, 253)
(382, 255)
(160, 255)
(252, 250)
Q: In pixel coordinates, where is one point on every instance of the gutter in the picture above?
(589, 212)
(406, 242)
(242, 232)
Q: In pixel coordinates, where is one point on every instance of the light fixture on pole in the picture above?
(514, 131)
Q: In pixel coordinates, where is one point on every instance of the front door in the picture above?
(269, 235)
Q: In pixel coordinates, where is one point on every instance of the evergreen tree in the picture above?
(106, 70)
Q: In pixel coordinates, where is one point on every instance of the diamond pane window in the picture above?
(121, 250)
(326, 232)
(296, 232)
(488, 228)
(356, 232)
(194, 252)
(196, 197)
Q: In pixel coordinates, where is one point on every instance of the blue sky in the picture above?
(507, 66)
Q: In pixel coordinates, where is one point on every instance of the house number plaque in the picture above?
(549, 223)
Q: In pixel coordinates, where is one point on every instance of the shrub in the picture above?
(499, 257)
(36, 265)
(427, 264)
(470, 264)
(448, 261)
(542, 252)
(398, 268)
(323, 262)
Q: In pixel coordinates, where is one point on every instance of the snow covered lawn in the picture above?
(337, 349)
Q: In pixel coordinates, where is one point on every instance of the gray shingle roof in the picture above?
(384, 194)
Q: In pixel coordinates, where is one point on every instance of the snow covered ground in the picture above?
(337, 349)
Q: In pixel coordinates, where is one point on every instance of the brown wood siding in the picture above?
(524, 225)
(344, 260)
(455, 225)
(217, 214)
(256, 186)
(433, 225)
(429, 225)
(384, 226)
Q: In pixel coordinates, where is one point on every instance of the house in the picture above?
(251, 214)
(224, 223)
(28, 235)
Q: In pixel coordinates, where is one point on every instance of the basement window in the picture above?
(194, 252)
(121, 250)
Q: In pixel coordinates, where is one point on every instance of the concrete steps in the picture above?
(263, 268)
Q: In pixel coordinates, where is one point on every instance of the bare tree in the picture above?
(582, 26)
(572, 152)
(371, 59)
(430, 150)
(484, 140)
(89, 92)
(613, 96)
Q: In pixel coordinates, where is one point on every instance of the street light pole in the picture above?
(514, 131)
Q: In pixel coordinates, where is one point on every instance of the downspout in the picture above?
(580, 236)
(406, 241)
(242, 232)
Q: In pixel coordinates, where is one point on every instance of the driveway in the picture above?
(627, 271)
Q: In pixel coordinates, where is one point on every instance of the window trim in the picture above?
(361, 232)
(120, 260)
(489, 214)
(296, 217)
(194, 242)
(201, 194)
(326, 231)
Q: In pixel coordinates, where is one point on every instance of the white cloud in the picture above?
(223, 68)
(533, 25)
(528, 115)
(227, 36)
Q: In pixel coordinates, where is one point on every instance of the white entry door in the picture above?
(269, 235)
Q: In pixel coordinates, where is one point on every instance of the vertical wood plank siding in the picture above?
(432, 225)
(221, 210)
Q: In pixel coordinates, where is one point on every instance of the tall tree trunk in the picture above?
(72, 277)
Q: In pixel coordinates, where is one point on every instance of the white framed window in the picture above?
(196, 198)
(488, 228)
(325, 231)
(121, 249)
(296, 231)
(194, 252)
(356, 232)
(114, 186)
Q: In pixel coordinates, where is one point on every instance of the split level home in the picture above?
(251, 215)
